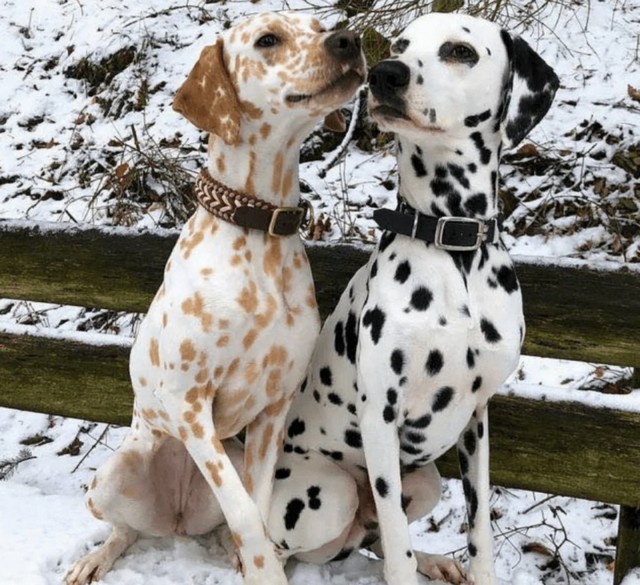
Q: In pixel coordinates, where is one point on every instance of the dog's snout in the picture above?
(344, 45)
(389, 78)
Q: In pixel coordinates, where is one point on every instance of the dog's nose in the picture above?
(344, 45)
(388, 78)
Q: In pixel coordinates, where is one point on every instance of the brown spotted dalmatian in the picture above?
(228, 337)
(431, 326)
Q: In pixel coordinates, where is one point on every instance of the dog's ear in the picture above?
(335, 121)
(528, 90)
(208, 99)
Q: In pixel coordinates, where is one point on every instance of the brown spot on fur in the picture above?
(197, 430)
(239, 242)
(154, 352)
(258, 561)
(182, 432)
(142, 381)
(220, 164)
(249, 338)
(214, 472)
(195, 306)
(188, 244)
(273, 257)
(277, 173)
(237, 539)
(249, 186)
(189, 417)
(94, 483)
(274, 383)
(217, 444)
(187, 351)
(287, 183)
(206, 272)
(248, 298)
(266, 441)
(265, 130)
(276, 408)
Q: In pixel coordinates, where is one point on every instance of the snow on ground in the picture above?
(69, 145)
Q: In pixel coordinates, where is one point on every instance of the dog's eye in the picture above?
(268, 40)
(458, 53)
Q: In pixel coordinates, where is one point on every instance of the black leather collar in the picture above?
(457, 234)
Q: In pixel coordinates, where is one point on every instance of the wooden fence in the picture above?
(561, 447)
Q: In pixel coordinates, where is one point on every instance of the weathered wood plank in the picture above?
(572, 313)
(68, 378)
(554, 447)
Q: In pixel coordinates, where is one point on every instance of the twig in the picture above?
(96, 442)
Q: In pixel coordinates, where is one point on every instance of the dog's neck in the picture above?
(263, 164)
(458, 178)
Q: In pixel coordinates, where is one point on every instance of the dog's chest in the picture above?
(235, 316)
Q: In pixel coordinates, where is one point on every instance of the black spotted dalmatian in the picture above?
(431, 326)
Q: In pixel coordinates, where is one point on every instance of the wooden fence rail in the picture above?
(572, 311)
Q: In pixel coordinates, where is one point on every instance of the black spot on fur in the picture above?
(409, 449)
(303, 386)
(374, 318)
(421, 298)
(374, 269)
(472, 167)
(326, 376)
(382, 487)
(473, 121)
(442, 398)
(353, 438)
(314, 502)
(414, 437)
(389, 414)
(463, 461)
(418, 166)
(507, 279)
(334, 398)
(457, 172)
(335, 455)
(400, 46)
(292, 514)
(473, 551)
(385, 240)
(351, 408)
(490, 332)
(485, 153)
(435, 361)
(480, 430)
(476, 204)
(397, 361)
(409, 554)
(419, 79)
(351, 337)
(476, 384)
(472, 500)
(403, 271)
(297, 427)
(338, 334)
(392, 396)
(419, 423)
(282, 473)
(316, 396)
(471, 359)
(470, 442)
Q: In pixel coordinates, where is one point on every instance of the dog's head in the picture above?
(271, 65)
(451, 75)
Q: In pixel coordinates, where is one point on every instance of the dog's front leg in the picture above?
(382, 453)
(196, 429)
(261, 449)
(473, 455)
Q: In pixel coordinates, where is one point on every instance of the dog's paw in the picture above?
(442, 568)
(88, 569)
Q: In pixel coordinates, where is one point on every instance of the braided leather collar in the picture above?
(246, 210)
